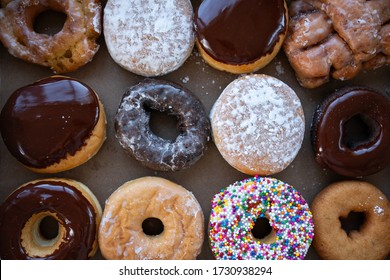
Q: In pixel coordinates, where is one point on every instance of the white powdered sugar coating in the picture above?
(149, 37)
(258, 124)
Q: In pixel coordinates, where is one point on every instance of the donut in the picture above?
(134, 133)
(66, 51)
(238, 209)
(53, 125)
(70, 204)
(258, 124)
(240, 36)
(336, 147)
(151, 218)
(149, 38)
(370, 241)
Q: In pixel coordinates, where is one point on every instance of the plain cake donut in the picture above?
(66, 51)
(240, 36)
(149, 38)
(54, 124)
(151, 218)
(70, 203)
(338, 200)
(349, 154)
(235, 221)
(258, 124)
(134, 133)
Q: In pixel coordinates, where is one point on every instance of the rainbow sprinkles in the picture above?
(234, 213)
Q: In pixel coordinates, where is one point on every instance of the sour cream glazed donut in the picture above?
(135, 136)
(237, 209)
(72, 47)
(151, 218)
(70, 203)
(338, 200)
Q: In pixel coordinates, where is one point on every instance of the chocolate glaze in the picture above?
(240, 31)
(134, 133)
(43, 122)
(328, 129)
(75, 212)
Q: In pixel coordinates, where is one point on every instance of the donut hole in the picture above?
(163, 124)
(352, 222)
(49, 228)
(263, 231)
(49, 22)
(359, 130)
(152, 226)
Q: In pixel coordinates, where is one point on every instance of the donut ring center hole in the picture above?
(152, 226)
(262, 231)
(163, 124)
(352, 222)
(49, 22)
(49, 228)
(358, 131)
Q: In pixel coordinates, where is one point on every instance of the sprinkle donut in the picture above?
(237, 209)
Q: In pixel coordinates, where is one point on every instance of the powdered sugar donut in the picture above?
(148, 37)
(238, 209)
(258, 124)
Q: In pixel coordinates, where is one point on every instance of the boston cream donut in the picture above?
(68, 203)
(258, 124)
(240, 36)
(53, 125)
(260, 218)
(338, 200)
(151, 218)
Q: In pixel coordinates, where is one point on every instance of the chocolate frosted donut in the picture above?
(134, 133)
(330, 136)
(53, 125)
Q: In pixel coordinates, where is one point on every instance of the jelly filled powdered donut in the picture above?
(240, 36)
(134, 133)
(53, 125)
(66, 51)
(337, 201)
(243, 211)
(151, 218)
(258, 124)
(149, 38)
(68, 203)
(351, 131)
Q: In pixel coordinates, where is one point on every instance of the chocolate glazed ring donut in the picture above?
(134, 133)
(330, 134)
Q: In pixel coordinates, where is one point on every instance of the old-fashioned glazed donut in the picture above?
(151, 218)
(240, 36)
(338, 200)
(236, 220)
(330, 137)
(258, 124)
(54, 124)
(149, 38)
(66, 51)
(135, 136)
(67, 202)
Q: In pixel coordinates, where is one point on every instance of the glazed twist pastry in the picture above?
(337, 38)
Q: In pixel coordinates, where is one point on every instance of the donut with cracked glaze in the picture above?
(134, 133)
(66, 51)
(162, 220)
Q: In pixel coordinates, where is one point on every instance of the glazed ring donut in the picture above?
(331, 145)
(338, 200)
(72, 47)
(238, 209)
(134, 134)
(151, 218)
(70, 203)
(61, 127)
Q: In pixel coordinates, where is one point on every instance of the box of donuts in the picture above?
(177, 129)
